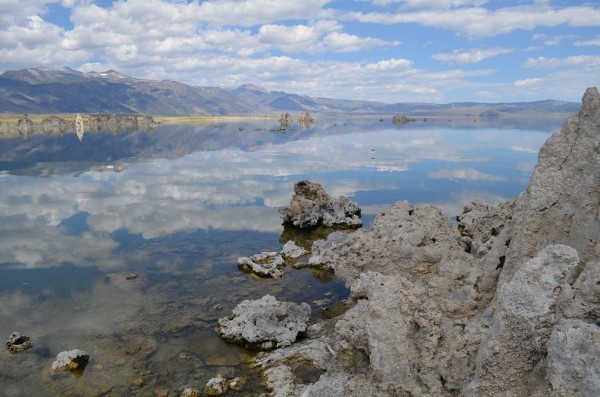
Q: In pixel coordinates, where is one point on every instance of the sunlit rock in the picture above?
(291, 250)
(216, 387)
(265, 323)
(71, 360)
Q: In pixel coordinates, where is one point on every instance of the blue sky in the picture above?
(386, 50)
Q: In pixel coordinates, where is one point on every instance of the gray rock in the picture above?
(291, 250)
(265, 264)
(311, 206)
(561, 205)
(265, 323)
(190, 392)
(574, 359)
(508, 305)
(527, 308)
(17, 343)
(70, 360)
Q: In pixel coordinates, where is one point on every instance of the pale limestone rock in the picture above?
(70, 360)
(574, 359)
(265, 264)
(265, 323)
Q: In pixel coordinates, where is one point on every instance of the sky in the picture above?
(391, 51)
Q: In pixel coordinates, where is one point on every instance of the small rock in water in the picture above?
(292, 251)
(132, 276)
(265, 264)
(190, 392)
(216, 387)
(17, 343)
(70, 360)
(218, 306)
(265, 323)
(311, 206)
(237, 383)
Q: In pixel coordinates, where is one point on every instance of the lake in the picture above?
(125, 245)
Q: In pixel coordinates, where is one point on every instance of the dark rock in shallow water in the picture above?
(311, 206)
(265, 323)
(17, 343)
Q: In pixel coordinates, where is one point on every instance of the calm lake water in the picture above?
(176, 206)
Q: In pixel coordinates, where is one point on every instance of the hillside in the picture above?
(64, 90)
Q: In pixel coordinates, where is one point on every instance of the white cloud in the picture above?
(591, 42)
(443, 4)
(527, 82)
(579, 61)
(481, 22)
(471, 56)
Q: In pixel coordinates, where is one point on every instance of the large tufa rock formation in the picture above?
(311, 206)
(507, 305)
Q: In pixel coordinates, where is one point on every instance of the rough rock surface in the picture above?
(574, 359)
(311, 206)
(506, 305)
(265, 264)
(265, 323)
(70, 360)
(291, 250)
(216, 387)
(17, 343)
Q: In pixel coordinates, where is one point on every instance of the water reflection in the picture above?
(177, 206)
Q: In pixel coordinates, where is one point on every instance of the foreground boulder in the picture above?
(265, 323)
(508, 304)
(311, 206)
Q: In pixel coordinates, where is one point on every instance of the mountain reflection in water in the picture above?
(175, 207)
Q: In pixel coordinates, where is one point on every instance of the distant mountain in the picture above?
(64, 90)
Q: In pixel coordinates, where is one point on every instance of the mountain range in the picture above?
(64, 90)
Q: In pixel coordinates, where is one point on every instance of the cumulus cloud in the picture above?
(471, 56)
(481, 22)
(470, 174)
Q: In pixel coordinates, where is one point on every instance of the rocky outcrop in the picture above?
(508, 304)
(265, 323)
(17, 343)
(70, 360)
(311, 206)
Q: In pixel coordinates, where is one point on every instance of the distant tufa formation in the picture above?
(57, 125)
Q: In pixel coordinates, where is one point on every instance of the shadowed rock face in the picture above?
(503, 306)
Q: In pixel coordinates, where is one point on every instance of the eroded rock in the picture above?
(265, 264)
(265, 323)
(311, 206)
(17, 343)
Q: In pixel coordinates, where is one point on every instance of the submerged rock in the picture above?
(216, 387)
(70, 360)
(311, 206)
(17, 343)
(265, 264)
(265, 323)
(190, 392)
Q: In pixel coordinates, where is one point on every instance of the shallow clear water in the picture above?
(176, 206)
